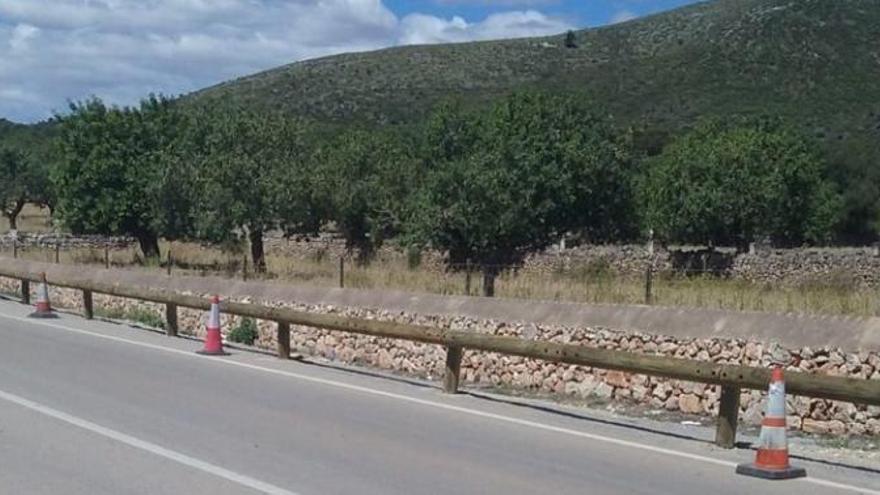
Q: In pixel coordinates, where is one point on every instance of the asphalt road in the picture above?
(99, 408)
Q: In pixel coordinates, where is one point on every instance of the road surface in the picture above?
(98, 408)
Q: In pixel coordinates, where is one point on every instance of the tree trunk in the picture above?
(12, 215)
(149, 244)
(258, 254)
(489, 274)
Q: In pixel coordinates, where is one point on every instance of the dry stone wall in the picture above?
(507, 372)
(64, 241)
(844, 266)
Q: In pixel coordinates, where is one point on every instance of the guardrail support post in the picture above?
(88, 305)
(453, 369)
(283, 340)
(25, 291)
(728, 413)
(171, 320)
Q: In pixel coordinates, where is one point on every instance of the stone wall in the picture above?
(506, 372)
(49, 240)
(846, 267)
(843, 266)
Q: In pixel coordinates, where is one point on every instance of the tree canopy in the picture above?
(112, 168)
(364, 178)
(730, 183)
(254, 177)
(513, 179)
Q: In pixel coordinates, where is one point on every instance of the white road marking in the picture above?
(146, 446)
(439, 405)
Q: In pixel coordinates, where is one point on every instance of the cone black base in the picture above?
(771, 474)
(44, 316)
(212, 353)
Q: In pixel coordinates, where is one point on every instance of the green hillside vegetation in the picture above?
(813, 61)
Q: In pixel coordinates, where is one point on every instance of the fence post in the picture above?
(25, 291)
(283, 340)
(244, 267)
(649, 285)
(728, 414)
(171, 320)
(88, 305)
(14, 247)
(170, 260)
(453, 369)
(467, 277)
(341, 271)
(106, 256)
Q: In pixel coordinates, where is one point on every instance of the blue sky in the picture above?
(55, 51)
(582, 13)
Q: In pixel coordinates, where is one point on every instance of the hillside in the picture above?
(816, 61)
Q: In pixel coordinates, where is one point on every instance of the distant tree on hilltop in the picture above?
(570, 40)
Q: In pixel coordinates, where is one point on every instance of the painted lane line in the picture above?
(438, 405)
(146, 446)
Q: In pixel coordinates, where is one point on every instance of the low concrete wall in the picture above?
(839, 346)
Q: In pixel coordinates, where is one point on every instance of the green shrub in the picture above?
(245, 332)
(145, 317)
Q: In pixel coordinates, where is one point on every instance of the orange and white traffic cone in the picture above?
(213, 338)
(44, 307)
(772, 459)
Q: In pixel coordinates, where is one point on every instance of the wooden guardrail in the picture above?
(731, 378)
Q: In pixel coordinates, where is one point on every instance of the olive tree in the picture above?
(110, 167)
(511, 180)
(730, 183)
(253, 177)
(364, 178)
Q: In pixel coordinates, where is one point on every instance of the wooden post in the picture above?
(244, 274)
(171, 320)
(106, 256)
(283, 340)
(57, 252)
(25, 291)
(342, 271)
(15, 248)
(88, 305)
(467, 277)
(728, 414)
(453, 369)
(649, 285)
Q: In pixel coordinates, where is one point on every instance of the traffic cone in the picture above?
(772, 459)
(44, 307)
(213, 338)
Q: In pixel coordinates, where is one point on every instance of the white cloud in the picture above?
(420, 29)
(121, 50)
(21, 35)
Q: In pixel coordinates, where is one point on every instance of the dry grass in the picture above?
(32, 219)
